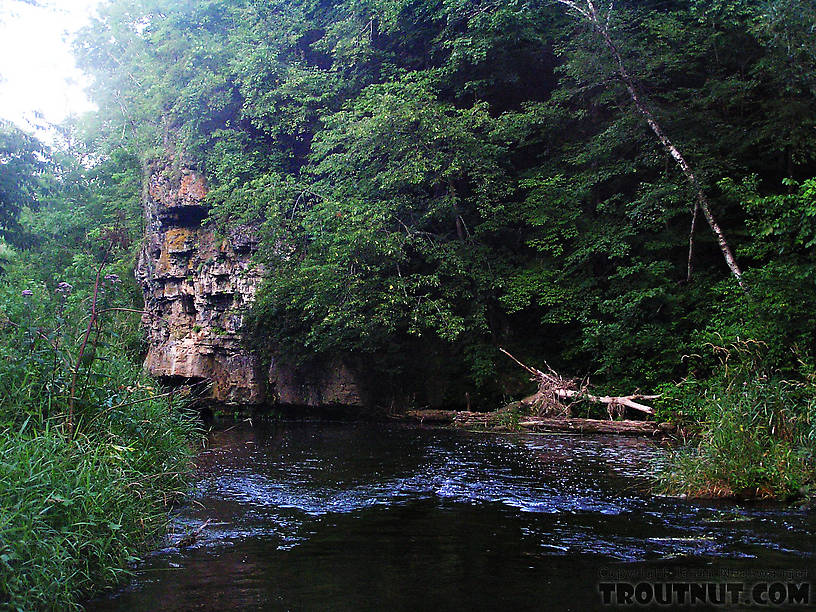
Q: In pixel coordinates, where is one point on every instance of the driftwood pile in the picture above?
(550, 410)
(554, 389)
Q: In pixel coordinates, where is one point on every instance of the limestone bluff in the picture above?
(197, 289)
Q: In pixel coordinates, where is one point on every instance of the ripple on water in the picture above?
(348, 516)
(597, 483)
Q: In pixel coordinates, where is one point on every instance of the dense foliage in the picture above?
(22, 177)
(91, 451)
(435, 178)
(759, 430)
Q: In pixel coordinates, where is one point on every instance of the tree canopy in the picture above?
(432, 179)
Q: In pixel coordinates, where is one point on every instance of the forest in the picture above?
(624, 192)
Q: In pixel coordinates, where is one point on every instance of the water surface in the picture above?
(360, 516)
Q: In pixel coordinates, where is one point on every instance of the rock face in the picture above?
(197, 289)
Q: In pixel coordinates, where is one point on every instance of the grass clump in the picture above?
(751, 432)
(80, 499)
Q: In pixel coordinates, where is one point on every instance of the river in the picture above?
(362, 516)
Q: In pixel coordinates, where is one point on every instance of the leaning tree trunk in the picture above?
(589, 13)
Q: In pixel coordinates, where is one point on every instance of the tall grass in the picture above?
(79, 501)
(753, 432)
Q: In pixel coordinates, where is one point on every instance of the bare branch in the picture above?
(691, 240)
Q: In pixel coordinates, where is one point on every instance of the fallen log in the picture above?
(444, 417)
(498, 420)
(552, 388)
(609, 400)
(622, 428)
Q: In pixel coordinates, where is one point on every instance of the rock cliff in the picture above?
(197, 289)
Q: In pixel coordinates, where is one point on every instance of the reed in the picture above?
(80, 498)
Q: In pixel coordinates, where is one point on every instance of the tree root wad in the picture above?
(549, 410)
(556, 394)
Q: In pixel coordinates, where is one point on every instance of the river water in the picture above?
(361, 516)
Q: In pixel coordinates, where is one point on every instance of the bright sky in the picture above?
(37, 69)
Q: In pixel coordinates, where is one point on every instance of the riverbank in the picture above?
(752, 431)
(93, 453)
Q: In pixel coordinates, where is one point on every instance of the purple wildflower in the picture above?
(64, 288)
(113, 278)
(27, 293)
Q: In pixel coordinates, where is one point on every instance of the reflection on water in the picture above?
(365, 516)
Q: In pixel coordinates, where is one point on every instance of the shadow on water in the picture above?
(350, 516)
